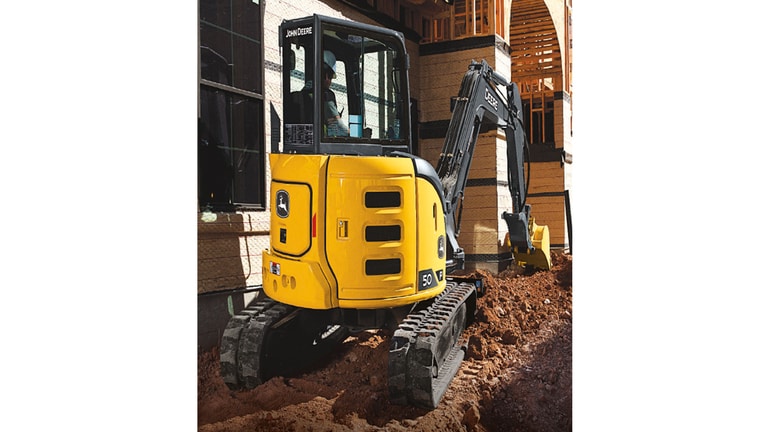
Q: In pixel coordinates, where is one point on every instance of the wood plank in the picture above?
(531, 47)
(532, 30)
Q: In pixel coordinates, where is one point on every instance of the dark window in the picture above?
(539, 115)
(231, 144)
(549, 122)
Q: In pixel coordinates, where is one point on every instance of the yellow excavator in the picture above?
(363, 234)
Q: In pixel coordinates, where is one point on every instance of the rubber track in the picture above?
(426, 350)
(241, 343)
(269, 338)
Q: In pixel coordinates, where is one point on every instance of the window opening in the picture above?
(466, 18)
(539, 111)
(230, 106)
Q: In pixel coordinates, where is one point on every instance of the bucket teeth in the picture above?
(538, 259)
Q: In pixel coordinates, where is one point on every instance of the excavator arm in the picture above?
(487, 97)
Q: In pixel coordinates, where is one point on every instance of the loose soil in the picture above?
(516, 376)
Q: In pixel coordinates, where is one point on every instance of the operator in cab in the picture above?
(334, 124)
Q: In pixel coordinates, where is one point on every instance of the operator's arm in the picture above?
(334, 124)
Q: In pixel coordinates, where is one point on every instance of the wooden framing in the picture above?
(468, 18)
(535, 49)
(538, 69)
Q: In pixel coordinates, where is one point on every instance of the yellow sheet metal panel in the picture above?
(295, 270)
(370, 226)
(291, 221)
(390, 302)
(432, 244)
(298, 283)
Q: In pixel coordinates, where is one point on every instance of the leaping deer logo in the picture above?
(282, 204)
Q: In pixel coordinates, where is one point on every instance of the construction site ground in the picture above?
(517, 374)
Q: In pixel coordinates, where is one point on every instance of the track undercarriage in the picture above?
(270, 339)
(427, 348)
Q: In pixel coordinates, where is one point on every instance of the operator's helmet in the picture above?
(330, 61)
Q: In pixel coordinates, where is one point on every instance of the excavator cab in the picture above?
(360, 75)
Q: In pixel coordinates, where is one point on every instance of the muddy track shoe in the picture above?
(426, 350)
(270, 339)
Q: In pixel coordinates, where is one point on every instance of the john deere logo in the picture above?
(282, 206)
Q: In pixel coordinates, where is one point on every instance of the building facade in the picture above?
(239, 109)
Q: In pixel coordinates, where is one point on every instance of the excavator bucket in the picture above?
(540, 257)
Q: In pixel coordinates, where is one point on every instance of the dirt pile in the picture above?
(517, 374)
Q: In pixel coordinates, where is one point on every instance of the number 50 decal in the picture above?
(427, 279)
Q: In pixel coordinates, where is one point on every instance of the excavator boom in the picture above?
(482, 100)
